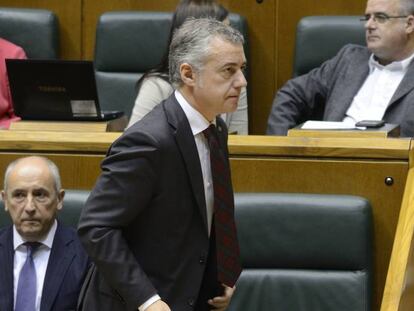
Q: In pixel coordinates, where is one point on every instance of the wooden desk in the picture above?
(387, 130)
(115, 125)
(357, 166)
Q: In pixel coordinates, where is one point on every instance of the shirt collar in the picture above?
(197, 121)
(394, 66)
(47, 240)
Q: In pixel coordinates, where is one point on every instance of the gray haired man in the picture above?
(152, 223)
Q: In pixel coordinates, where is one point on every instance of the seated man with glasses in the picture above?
(360, 83)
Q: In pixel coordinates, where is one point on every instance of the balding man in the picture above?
(42, 262)
(360, 83)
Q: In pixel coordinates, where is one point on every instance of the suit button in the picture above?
(191, 302)
(202, 260)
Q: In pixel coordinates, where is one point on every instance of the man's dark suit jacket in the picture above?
(326, 93)
(66, 270)
(145, 223)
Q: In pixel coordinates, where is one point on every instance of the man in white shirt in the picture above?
(153, 221)
(359, 83)
(42, 262)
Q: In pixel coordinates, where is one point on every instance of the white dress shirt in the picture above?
(374, 96)
(198, 124)
(40, 258)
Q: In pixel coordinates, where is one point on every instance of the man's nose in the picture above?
(370, 23)
(240, 80)
(29, 204)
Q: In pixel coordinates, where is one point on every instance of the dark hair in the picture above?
(185, 9)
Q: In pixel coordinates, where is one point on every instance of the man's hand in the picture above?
(159, 305)
(220, 303)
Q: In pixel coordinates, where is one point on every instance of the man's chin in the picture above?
(30, 228)
(232, 104)
(374, 46)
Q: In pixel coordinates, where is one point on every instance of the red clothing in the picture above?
(7, 50)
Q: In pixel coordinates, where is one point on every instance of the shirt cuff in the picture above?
(149, 302)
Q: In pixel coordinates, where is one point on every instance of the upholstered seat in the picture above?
(319, 38)
(35, 30)
(127, 45)
(303, 252)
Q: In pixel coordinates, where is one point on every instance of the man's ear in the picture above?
(60, 196)
(187, 74)
(4, 198)
(410, 24)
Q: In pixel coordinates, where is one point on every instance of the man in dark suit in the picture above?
(359, 83)
(43, 264)
(149, 224)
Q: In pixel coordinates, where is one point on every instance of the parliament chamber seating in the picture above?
(300, 252)
(304, 252)
(35, 30)
(127, 45)
(73, 203)
(319, 38)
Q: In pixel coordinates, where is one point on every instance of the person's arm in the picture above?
(239, 122)
(17, 53)
(121, 194)
(303, 97)
(152, 92)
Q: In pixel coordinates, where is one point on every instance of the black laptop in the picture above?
(59, 90)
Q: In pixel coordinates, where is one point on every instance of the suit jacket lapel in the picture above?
(6, 270)
(352, 81)
(186, 143)
(60, 259)
(406, 85)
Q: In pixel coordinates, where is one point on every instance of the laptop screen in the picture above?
(54, 90)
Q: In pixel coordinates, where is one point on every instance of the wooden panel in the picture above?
(399, 288)
(62, 142)
(77, 171)
(114, 125)
(353, 148)
(69, 14)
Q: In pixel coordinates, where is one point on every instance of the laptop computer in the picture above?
(58, 90)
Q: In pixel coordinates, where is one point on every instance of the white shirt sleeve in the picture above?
(149, 302)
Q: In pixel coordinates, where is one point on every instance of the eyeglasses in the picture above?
(380, 18)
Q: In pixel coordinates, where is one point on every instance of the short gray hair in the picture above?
(190, 44)
(52, 167)
(406, 7)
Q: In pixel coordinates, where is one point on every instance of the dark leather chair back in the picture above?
(303, 252)
(35, 30)
(319, 38)
(73, 203)
(127, 45)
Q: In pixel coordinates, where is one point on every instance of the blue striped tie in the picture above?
(27, 286)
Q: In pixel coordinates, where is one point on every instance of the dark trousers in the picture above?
(210, 287)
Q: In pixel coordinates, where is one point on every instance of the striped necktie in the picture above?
(27, 285)
(227, 246)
